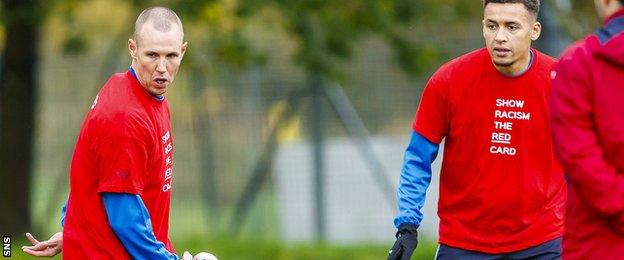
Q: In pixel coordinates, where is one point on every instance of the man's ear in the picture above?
(536, 31)
(184, 46)
(132, 48)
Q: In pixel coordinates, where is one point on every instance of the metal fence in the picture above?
(222, 122)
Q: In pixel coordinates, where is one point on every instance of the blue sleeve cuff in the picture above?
(415, 179)
(63, 211)
(130, 221)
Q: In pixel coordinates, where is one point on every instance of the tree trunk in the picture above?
(18, 92)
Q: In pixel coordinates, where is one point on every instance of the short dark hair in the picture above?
(531, 5)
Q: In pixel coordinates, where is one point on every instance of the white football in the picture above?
(204, 256)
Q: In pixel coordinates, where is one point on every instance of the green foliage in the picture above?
(74, 44)
(327, 30)
(577, 17)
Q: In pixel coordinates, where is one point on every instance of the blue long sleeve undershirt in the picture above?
(130, 221)
(415, 179)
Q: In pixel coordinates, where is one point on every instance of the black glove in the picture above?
(407, 239)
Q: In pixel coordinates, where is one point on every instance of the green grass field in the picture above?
(226, 249)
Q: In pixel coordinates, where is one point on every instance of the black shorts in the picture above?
(549, 250)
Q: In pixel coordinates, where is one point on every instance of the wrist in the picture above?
(407, 228)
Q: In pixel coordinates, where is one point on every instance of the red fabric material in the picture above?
(501, 186)
(125, 146)
(588, 131)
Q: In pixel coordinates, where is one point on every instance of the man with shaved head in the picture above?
(121, 172)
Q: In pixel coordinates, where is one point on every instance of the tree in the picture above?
(18, 94)
(576, 17)
(326, 31)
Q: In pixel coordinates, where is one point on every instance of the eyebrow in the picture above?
(165, 53)
(504, 22)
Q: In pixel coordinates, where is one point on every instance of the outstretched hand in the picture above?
(48, 248)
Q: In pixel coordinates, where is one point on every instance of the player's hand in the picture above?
(48, 248)
(407, 239)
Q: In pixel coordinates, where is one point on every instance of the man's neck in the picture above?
(614, 14)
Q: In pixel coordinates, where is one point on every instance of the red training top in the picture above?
(588, 130)
(501, 187)
(125, 145)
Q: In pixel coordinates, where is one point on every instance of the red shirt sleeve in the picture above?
(121, 160)
(431, 119)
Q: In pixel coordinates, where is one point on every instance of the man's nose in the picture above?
(162, 66)
(500, 36)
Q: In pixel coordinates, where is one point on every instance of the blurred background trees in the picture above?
(21, 20)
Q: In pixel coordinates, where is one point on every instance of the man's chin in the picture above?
(503, 63)
(157, 91)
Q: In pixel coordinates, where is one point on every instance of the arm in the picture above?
(430, 126)
(595, 180)
(130, 221)
(415, 179)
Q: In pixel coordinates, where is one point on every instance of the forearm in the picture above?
(415, 179)
(130, 221)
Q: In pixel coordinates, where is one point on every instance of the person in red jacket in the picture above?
(588, 132)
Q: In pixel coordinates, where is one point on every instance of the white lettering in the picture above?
(166, 187)
(503, 150)
(503, 125)
(503, 138)
(6, 246)
(95, 101)
(168, 148)
(509, 103)
(512, 115)
(168, 173)
(166, 137)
